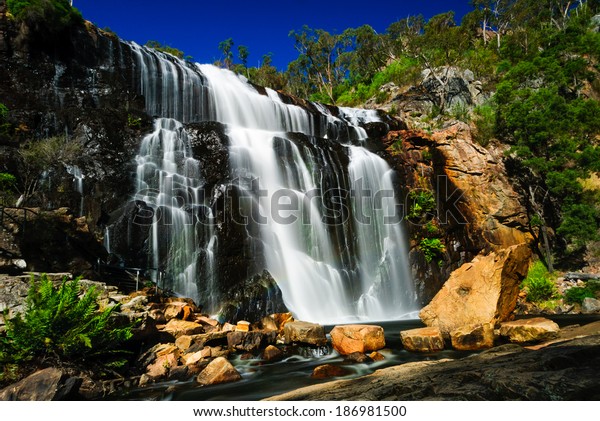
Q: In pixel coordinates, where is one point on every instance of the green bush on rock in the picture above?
(52, 15)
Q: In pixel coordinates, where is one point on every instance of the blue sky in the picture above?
(197, 27)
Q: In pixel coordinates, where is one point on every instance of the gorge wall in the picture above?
(168, 195)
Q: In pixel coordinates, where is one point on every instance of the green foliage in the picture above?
(165, 48)
(5, 125)
(484, 118)
(52, 16)
(576, 295)
(432, 248)
(60, 324)
(422, 203)
(133, 122)
(538, 284)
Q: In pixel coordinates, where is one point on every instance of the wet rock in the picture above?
(304, 332)
(327, 371)
(348, 339)
(529, 330)
(272, 354)
(161, 367)
(356, 358)
(473, 338)
(276, 321)
(50, 384)
(218, 371)
(250, 341)
(426, 339)
(376, 356)
(482, 291)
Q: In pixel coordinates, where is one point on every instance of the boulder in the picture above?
(178, 328)
(272, 354)
(50, 384)
(327, 371)
(357, 338)
(161, 367)
(276, 321)
(218, 371)
(304, 333)
(536, 329)
(590, 306)
(425, 339)
(473, 338)
(482, 291)
(250, 341)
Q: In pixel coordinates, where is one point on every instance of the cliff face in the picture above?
(85, 84)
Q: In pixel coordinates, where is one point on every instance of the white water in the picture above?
(327, 273)
(169, 181)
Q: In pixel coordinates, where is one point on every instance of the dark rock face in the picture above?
(257, 295)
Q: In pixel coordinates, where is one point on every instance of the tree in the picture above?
(366, 55)
(243, 54)
(226, 48)
(400, 36)
(321, 59)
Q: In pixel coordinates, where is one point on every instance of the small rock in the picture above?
(242, 326)
(276, 321)
(356, 358)
(327, 371)
(174, 310)
(135, 304)
(304, 332)
(348, 339)
(203, 320)
(218, 371)
(272, 354)
(473, 338)
(529, 330)
(193, 358)
(426, 339)
(376, 356)
(228, 327)
(590, 306)
(178, 328)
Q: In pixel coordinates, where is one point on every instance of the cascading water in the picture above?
(330, 265)
(169, 181)
(78, 177)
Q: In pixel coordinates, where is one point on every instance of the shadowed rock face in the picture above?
(566, 371)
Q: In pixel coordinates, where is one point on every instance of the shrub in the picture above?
(576, 295)
(538, 285)
(51, 15)
(422, 202)
(432, 248)
(60, 325)
(484, 118)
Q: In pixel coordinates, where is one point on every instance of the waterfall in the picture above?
(323, 207)
(169, 181)
(78, 177)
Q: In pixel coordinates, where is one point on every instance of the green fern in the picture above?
(59, 323)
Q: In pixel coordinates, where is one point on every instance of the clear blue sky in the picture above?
(197, 27)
